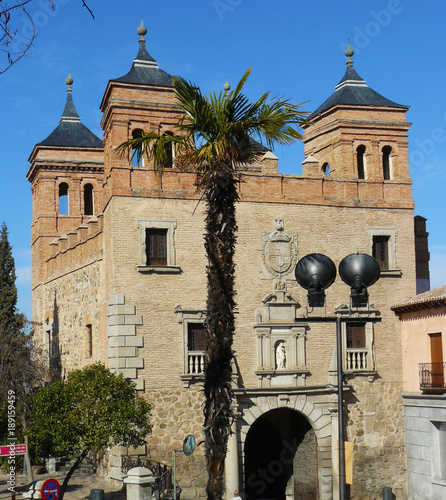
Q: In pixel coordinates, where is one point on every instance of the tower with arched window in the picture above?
(66, 176)
(362, 135)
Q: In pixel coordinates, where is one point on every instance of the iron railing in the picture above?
(432, 375)
(162, 473)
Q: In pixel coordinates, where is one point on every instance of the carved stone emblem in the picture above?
(278, 250)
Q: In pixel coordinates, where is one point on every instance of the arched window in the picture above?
(326, 170)
(137, 159)
(63, 199)
(360, 152)
(88, 199)
(170, 152)
(386, 151)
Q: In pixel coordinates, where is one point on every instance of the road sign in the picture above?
(15, 449)
(50, 489)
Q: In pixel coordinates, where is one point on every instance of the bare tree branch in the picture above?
(13, 14)
(88, 8)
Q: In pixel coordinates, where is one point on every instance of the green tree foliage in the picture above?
(93, 408)
(19, 368)
(215, 138)
(9, 319)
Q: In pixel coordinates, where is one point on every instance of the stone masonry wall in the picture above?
(375, 425)
(71, 302)
(175, 414)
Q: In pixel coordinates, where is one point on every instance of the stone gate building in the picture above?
(119, 277)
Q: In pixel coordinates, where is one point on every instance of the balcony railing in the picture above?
(432, 375)
(356, 359)
(195, 362)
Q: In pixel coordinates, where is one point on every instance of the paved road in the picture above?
(78, 488)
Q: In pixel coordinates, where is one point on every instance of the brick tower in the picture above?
(66, 176)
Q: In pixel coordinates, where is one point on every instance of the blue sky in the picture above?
(296, 49)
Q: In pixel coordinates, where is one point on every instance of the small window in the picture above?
(170, 153)
(63, 199)
(157, 238)
(360, 152)
(356, 336)
(89, 335)
(196, 346)
(326, 170)
(380, 251)
(88, 199)
(196, 337)
(137, 160)
(156, 247)
(386, 151)
(358, 346)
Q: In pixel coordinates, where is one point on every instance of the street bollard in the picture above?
(387, 493)
(96, 494)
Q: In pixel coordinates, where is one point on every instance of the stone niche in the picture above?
(280, 341)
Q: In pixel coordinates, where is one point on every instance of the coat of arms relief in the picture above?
(278, 252)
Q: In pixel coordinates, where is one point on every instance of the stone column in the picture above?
(231, 463)
(139, 483)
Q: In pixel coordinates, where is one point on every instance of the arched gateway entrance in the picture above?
(281, 457)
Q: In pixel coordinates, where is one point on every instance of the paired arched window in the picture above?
(88, 199)
(360, 153)
(136, 151)
(63, 199)
(386, 151)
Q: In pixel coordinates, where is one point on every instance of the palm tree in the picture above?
(215, 139)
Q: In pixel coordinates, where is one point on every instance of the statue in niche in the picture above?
(278, 251)
(281, 356)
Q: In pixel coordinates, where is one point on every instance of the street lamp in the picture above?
(316, 272)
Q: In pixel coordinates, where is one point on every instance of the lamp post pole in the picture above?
(341, 435)
(315, 272)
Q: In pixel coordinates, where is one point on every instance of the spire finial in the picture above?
(69, 81)
(348, 53)
(226, 86)
(142, 30)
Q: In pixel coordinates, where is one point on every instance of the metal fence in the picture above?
(432, 375)
(162, 473)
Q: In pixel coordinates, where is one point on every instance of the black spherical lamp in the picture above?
(359, 271)
(315, 272)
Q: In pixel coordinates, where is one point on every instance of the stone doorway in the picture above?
(281, 457)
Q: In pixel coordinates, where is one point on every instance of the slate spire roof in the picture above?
(353, 90)
(145, 70)
(71, 132)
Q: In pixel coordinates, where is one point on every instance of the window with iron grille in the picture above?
(356, 336)
(381, 250)
(196, 337)
(156, 247)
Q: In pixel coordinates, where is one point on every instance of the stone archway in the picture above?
(280, 456)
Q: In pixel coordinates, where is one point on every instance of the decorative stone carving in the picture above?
(278, 252)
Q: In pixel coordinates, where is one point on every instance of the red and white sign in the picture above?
(15, 449)
(50, 489)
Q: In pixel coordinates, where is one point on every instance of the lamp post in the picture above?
(316, 272)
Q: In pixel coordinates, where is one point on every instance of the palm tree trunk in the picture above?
(221, 195)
